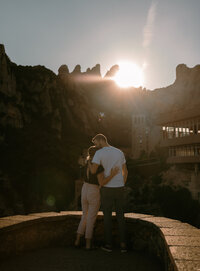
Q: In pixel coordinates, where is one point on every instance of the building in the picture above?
(145, 135)
(181, 136)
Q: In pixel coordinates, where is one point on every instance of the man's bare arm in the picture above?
(93, 167)
(124, 172)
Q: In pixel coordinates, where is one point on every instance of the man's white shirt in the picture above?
(110, 157)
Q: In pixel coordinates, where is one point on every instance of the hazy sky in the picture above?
(160, 33)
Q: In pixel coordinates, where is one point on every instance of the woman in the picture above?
(90, 198)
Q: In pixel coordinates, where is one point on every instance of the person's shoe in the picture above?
(123, 249)
(107, 248)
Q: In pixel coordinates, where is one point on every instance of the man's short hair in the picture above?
(99, 137)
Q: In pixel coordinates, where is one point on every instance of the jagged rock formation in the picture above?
(183, 93)
(77, 70)
(63, 72)
(9, 97)
(96, 70)
(7, 79)
(31, 92)
(113, 70)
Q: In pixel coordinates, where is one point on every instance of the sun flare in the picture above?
(129, 75)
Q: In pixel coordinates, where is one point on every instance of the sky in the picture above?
(156, 35)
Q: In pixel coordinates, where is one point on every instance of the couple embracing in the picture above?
(105, 175)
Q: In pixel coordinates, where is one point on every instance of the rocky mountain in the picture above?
(77, 99)
(28, 93)
(46, 120)
(183, 93)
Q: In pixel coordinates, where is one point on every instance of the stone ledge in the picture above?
(188, 265)
(176, 244)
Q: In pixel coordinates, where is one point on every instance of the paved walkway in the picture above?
(64, 259)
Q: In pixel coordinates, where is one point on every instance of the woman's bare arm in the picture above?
(104, 180)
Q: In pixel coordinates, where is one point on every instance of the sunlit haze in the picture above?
(129, 75)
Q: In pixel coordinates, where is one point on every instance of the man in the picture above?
(113, 192)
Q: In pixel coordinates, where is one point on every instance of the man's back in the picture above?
(110, 157)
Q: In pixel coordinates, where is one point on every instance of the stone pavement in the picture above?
(176, 244)
(63, 259)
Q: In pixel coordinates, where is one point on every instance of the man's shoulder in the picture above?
(99, 151)
(109, 149)
(116, 149)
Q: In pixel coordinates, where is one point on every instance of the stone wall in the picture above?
(176, 244)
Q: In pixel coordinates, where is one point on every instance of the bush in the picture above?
(178, 204)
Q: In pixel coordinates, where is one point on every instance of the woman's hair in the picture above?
(92, 150)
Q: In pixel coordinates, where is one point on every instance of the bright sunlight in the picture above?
(129, 75)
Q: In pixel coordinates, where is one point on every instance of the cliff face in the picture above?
(80, 100)
(9, 97)
(183, 93)
(7, 80)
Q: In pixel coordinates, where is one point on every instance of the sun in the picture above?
(129, 75)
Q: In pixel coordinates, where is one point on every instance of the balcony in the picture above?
(183, 160)
(178, 141)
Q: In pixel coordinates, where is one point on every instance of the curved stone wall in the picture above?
(176, 244)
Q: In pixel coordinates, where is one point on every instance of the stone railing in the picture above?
(176, 244)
